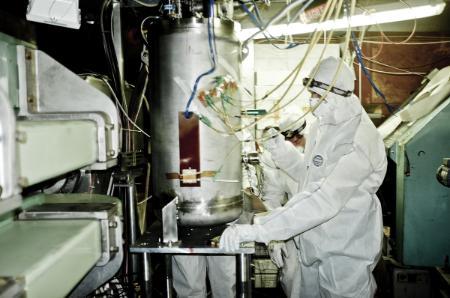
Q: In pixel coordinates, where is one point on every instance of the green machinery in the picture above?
(416, 147)
(53, 122)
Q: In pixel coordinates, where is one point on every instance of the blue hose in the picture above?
(367, 74)
(212, 52)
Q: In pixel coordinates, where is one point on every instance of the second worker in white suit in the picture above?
(279, 187)
(337, 212)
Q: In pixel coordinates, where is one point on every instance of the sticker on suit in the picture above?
(317, 160)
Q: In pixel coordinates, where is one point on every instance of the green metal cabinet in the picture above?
(422, 204)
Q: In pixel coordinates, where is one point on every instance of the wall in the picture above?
(421, 55)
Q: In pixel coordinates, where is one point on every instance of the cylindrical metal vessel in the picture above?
(214, 196)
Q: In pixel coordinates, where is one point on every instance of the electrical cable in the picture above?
(327, 13)
(212, 52)
(360, 57)
(256, 19)
(277, 17)
(241, 16)
(144, 38)
(137, 98)
(379, 50)
(313, 74)
(253, 18)
(382, 31)
(394, 67)
(144, 200)
(413, 31)
(424, 37)
(316, 37)
(112, 60)
(110, 54)
(409, 43)
(123, 110)
(403, 42)
(296, 70)
(367, 74)
(347, 39)
(143, 3)
(363, 67)
(391, 72)
(384, 36)
(121, 78)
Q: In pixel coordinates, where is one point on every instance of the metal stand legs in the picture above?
(244, 286)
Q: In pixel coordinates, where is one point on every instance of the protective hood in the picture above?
(292, 122)
(332, 72)
(335, 75)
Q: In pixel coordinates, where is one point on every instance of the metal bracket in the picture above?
(49, 91)
(105, 213)
(9, 186)
(169, 221)
(100, 274)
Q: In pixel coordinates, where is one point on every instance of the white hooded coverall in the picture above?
(278, 187)
(337, 212)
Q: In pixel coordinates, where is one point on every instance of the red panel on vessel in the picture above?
(189, 140)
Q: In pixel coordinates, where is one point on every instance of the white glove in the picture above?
(274, 139)
(277, 252)
(232, 237)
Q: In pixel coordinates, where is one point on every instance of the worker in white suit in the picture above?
(189, 276)
(278, 187)
(337, 214)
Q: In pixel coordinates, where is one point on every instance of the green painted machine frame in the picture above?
(422, 204)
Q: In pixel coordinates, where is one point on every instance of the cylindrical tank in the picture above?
(209, 193)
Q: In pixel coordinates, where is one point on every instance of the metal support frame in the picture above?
(149, 244)
(169, 279)
(130, 216)
(147, 275)
(130, 207)
(244, 286)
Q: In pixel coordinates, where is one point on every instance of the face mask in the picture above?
(313, 102)
(301, 149)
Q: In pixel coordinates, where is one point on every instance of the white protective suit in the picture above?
(278, 188)
(337, 212)
(189, 276)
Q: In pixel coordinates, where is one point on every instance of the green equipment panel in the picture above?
(422, 203)
(51, 256)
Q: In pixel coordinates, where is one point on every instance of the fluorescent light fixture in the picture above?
(385, 13)
(63, 13)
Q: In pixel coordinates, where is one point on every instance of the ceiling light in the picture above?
(385, 13)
